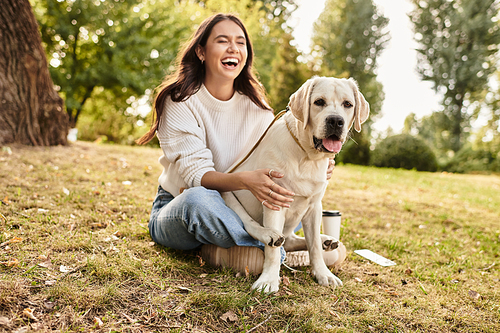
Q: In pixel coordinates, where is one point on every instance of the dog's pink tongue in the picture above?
(332, 145)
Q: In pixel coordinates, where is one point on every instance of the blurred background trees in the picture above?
(107, 56)
(458, 46)
(348, 37)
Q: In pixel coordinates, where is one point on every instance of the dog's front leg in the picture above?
(269, 279)
(311, 225)
(267, 236)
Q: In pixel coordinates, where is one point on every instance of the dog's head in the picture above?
(328, 107)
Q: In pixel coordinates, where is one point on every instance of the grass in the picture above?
(75, 250)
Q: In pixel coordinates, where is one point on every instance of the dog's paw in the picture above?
(272, 238)
(266, 284)
(327, 278)
(329, 243)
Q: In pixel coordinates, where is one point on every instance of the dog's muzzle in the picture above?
(331, 143)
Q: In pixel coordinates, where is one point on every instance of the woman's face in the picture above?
(225, 53)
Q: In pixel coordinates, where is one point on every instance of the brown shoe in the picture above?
(240, 258)
(251, 259)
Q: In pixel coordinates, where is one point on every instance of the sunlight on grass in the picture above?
(75, 246)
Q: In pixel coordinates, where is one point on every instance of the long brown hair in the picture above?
(190, 74)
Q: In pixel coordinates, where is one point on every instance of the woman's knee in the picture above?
(201, 196)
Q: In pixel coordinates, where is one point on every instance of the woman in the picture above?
(209, 114)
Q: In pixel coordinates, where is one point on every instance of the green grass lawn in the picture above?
(75, 253)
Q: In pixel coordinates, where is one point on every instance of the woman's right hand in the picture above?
(260, 183)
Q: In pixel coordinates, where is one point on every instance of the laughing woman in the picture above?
(209, 114)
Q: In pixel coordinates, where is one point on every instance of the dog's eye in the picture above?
(320, 102)
(347, 104)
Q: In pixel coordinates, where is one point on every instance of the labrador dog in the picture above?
(299, 145)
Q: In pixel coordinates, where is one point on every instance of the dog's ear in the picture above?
(300, 101)
(361, 109)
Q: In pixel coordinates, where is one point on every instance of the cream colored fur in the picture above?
(305, 174)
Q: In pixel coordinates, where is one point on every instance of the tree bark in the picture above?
(31, 111)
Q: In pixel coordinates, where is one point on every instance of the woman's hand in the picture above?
(260, 183)
(331, 166)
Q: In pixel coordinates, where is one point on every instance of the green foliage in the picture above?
(125, 47)
(404, 151)
(470, 160)
(355, 152)
(288, 73)
(348, 37)
(105, 55)
(458, 46)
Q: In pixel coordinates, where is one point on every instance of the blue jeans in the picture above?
(195, 217)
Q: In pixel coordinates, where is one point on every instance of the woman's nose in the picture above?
(233, 47)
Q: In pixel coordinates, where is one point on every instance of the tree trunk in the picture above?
(31, 111)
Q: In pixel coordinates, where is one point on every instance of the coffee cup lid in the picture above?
(331, 213)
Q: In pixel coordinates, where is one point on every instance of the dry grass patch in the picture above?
(76, 254)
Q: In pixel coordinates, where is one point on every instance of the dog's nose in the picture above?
(335, 121)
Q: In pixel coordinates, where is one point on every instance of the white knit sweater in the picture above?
(205, 134)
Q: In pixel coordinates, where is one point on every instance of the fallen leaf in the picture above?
(23, 329)
(98, 322)
(12, 241)
(49, 305)
(64, 269)
(185, 290)
(130, 319)
(11, 263)
(247, 271)
(29, 313)
(333, 313)
(230, 315)
(474, 294)
(45, 264)
(4, 321)
(201, 261)
(285, 280)
(408, 271)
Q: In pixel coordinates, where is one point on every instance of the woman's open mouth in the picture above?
(230, 63)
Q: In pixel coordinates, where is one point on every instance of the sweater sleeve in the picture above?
(183, 142)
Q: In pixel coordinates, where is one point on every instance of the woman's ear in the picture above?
(200, 52)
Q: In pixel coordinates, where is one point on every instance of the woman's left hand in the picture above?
(331, 166)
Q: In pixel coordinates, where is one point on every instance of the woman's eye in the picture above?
(347, 104)
(320, 102)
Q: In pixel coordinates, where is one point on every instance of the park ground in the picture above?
(75, 253)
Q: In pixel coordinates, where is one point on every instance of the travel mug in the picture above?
(331, 223)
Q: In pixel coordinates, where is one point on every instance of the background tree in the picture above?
(458, 43)
(348, 37)
(125, 47)
(31, 111)
(106, 55)
(288, 73)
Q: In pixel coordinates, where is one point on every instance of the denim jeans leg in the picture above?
(195, 217)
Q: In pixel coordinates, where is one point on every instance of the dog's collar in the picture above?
(293, 136)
